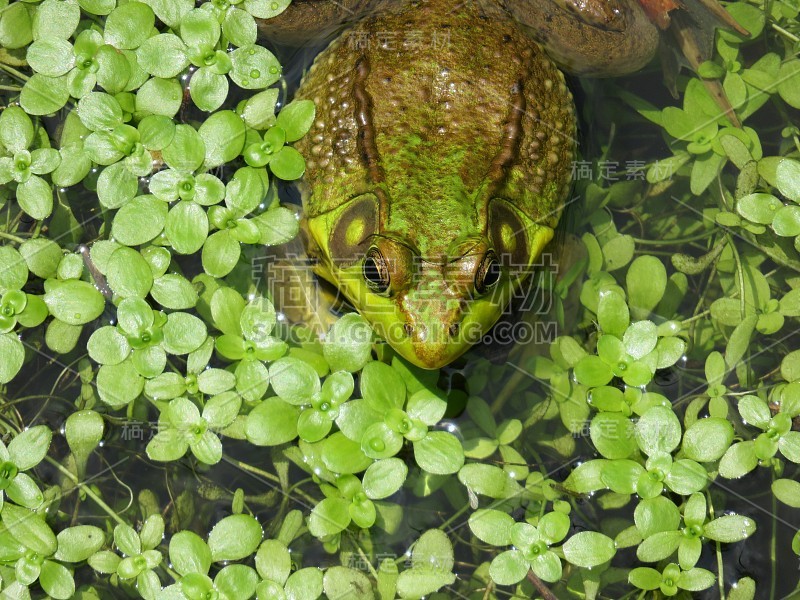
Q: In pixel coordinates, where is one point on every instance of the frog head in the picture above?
(430, 292)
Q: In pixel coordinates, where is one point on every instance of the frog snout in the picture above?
(431, 328)
(419, 333)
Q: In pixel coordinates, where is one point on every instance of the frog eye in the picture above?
(488, 273)
(376, 271)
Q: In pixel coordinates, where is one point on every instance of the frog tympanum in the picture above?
(440, 158)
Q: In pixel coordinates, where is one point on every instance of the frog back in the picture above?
(438, 106)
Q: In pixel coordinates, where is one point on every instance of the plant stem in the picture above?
(786, 34)
(686, 240)
(266, 475)
(773, 549)
(88, 490)
(541, 587)
(720, 564)
(11, 237)
(454, 516)
(12, 71)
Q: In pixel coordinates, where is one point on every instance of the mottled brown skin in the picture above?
(431, 161)
(457, 148)
(490, 92)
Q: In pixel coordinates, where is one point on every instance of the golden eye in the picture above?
(376, 271)
(488, 273)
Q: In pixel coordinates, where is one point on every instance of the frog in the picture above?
(437, 171)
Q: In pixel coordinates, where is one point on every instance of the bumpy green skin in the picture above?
(433, 137)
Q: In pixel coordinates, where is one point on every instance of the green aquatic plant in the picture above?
(542, 476)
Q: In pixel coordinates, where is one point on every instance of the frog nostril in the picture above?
(454, 329)
(408, 329)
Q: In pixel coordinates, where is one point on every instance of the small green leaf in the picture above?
(744, 589)
(786, 222)
(612, 313)
(384, 477)
(42, 95)
(208, 89)
(272, 422)
(84, 430)
(613, 435)
(239, 27)
(188, 553)
(729, 528)
(162, 55)
(234, 537)
(16, 129)
(74, 302)
(29, 447)
(139, 221)
(223, 134)
(128, 273)
(658, 430)
(13, 269)
(288, 164)
(266, 9)
(159, 97)
(221, 252)
(258, 111)
(129, 25)
(16, 26)
(57, 580)
(488, 480)
(439, 453)
(382, 387)
(199, 29)
(787, 491)
(509, 567)
(491, 526)
(35, 197)
(645, 578)
(99, 111)
(738, 460)
(787, 174)
(329, 517)
(254, 67)
(589, 549)
(646, 282)
(348, 344)
(293, 380)
(29, 529)
(42, 257)
(186, 227)
(296, 119)
(706, 440)
(78, 543)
